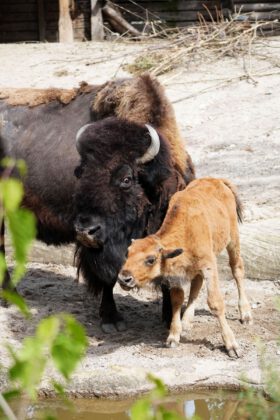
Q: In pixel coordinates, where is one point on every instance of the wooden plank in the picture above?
(17, 2)
(19, 26)
(174, 16)
(96, 21)
(20, 36)
(254, 1)
(17, 17)
(65, 27)
(41, 20)
(258, 7)
(17, 8)
(265, 15)
(166, 6)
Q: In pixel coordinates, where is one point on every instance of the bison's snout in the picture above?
(90, 231)
(126, 280)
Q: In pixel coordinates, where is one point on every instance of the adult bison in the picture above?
(125, 170)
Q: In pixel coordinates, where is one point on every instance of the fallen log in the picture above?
(260, 248)
(118, 22)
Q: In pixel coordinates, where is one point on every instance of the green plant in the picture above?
(59, 339)
(151, 407)
(259, 405)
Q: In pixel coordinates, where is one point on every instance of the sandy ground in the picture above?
(232, 128)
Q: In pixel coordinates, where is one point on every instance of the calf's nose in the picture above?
(126, 280)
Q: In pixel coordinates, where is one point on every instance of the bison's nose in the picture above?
(126, 280)
(90, 232)
(94, 229)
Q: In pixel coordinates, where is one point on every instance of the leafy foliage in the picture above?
(258, 405)
(58, 339)
(151, 407)
(20, 222)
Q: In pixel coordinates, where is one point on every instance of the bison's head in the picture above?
(125, 179)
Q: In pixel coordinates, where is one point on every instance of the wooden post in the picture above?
(65, 23)
(97, 31)
(41, 20)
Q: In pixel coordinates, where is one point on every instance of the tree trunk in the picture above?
(65, 22)
(97, 31)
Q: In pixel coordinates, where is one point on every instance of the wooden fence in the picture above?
(37, 20)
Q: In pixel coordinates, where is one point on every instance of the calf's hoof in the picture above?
(172, 342)
(234, 352)
(247, 318)
(185, 336)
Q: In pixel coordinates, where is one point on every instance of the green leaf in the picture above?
(69, 346)
(48, 329)
(141, 410)
(3, 267)
(17, 300)
(11, 394)
(168, 415)
(29, 365)
(160, 390)
(21, 165)
(12, 193)
(22, 228)
(8, 162)
(59, 388)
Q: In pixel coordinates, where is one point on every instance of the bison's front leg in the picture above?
(111, 319)
(166, 305)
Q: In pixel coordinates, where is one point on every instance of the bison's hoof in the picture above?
(121, 326)
(247, 318)
(110, 328)
(234, 352)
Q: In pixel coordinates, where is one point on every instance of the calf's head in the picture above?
(147, 260)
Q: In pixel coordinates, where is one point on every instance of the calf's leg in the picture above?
(177, 300)
(216, 304)
(187, 319)
(237, 268)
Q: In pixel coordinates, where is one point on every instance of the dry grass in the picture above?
(204, 42)
(208, 40)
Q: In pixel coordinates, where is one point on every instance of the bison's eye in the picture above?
(150, 261)
(126, 182)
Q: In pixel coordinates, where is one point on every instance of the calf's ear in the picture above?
(171, 253)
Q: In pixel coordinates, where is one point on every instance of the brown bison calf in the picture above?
(200, 222)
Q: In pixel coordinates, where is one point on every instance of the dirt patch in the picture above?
(231, 124)
(116, 365)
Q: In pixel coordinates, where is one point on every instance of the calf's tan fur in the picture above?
(201, 221)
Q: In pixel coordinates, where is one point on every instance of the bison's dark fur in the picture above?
(111, 195)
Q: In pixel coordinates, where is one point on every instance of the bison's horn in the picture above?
(154, 147)
(78, 136)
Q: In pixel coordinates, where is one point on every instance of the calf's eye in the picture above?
(150, 261)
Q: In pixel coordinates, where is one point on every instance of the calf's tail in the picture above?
(239, 206)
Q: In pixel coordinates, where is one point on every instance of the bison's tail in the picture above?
(239, 206)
